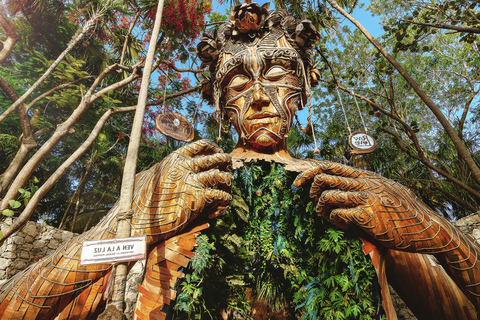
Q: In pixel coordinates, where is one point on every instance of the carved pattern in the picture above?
(394, 216)
(162, 272)
(194, 179)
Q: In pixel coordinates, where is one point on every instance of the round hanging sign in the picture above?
(361, 142)
(175, 126)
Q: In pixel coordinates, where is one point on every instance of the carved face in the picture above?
(261, 91)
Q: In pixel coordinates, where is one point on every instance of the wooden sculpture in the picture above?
(261, 74)
(169, 197)
(261, 67)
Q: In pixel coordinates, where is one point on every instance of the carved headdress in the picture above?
(254, 25)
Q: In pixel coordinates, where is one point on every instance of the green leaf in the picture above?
(8, 212)
(14, 204)
(21, 190)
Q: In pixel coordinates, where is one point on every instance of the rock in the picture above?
(53, 244)
(19, 264)
(30, 229)
(38, 243)
(4, 263)
(476, 234)
(58, 235)
(24, 254)
(67, 235)
(18, 239)
(9, 255)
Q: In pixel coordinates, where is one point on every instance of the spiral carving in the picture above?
(394, 216)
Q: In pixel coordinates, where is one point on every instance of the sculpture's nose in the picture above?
(260, 98)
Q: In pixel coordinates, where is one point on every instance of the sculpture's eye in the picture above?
(276, 73)
(238, 82)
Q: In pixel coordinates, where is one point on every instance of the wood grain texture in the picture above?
(194, 180)
(426, 288)
(158, 288)
(391, 215)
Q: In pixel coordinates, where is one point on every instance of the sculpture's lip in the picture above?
(262, 115)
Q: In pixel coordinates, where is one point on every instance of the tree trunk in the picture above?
(128, 181)
(66, 211)
(95, 210)
(10, 42)
(81, 187)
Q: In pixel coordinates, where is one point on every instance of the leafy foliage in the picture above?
(271, 246)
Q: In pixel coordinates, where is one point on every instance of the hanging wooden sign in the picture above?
(175, 126)
(361, 142)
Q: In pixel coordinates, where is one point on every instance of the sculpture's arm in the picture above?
(190, 181)
(395, 217)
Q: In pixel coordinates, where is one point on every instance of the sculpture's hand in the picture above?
(386, 210)
(196, 179)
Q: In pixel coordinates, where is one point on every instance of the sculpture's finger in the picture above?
(220, 197)
(342, 170)
(221, 161)
(217, 202)
(306, 176)
(344, 217)
(330, 168)
(200, 147)
(323, 182)
(215, 178)
(336, 198)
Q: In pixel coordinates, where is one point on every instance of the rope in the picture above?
(165, 91)
(344, 113)
(316, 150)
(361, 117)
(126, 215)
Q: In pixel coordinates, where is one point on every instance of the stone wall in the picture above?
(33, 242)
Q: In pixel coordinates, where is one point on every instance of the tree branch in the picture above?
(184, 70)
(450, 177)
(77, 37)
(445, 26)
(49, 92)
(173, 95)
(40, 193)
(458, 143)
(10, 42)
(127, 37)
(61, 131)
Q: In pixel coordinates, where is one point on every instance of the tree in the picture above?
(73, 96)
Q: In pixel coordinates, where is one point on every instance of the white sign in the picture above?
(113, 250)
(361, 142)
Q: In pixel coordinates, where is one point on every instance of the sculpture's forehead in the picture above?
(253, 59)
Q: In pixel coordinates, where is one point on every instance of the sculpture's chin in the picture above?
(265, 140)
